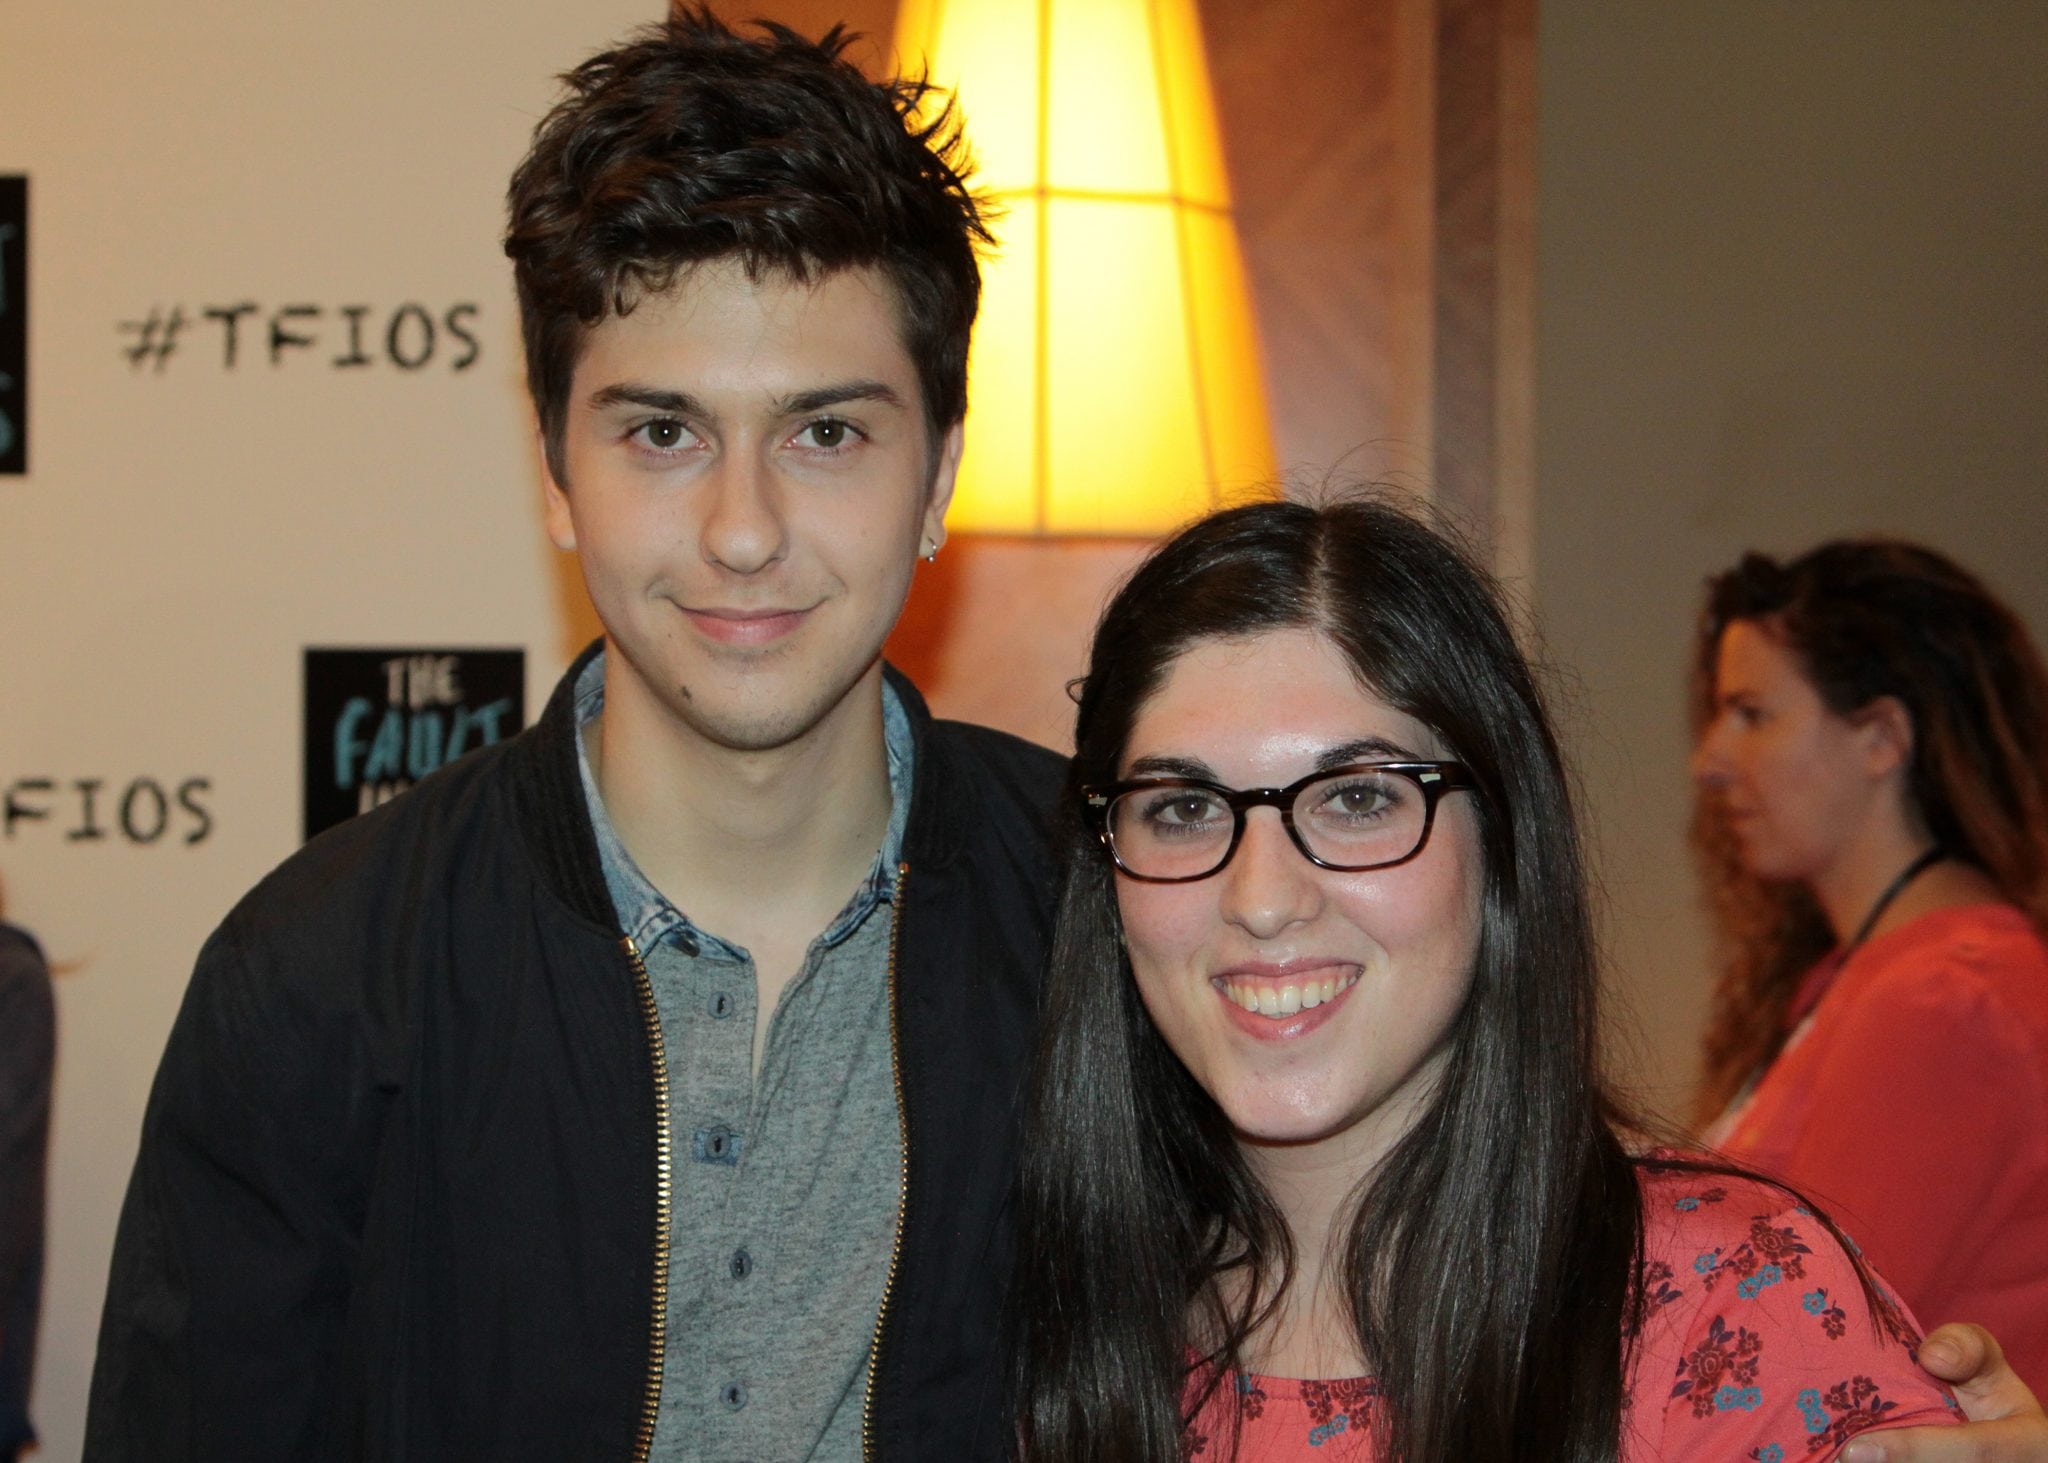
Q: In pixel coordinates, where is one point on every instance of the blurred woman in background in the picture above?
(1872, 763)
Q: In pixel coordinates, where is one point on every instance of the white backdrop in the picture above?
(186, 528)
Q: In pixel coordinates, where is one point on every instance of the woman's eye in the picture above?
(1368, 797)
(1184, 809)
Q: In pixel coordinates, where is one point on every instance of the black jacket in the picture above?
(400, 1183)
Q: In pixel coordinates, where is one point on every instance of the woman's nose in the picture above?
(1709, 763)
(1268, 883)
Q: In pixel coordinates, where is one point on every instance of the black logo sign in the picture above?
(377, 721)
(410, 337)
(14, 325)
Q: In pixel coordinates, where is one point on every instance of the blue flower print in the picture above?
(1744, 1399)
(1318, 1436)
(1686, 1205)
(1756, 1284)
(1768, 1453)
(1703, 1263)
(1809, 1408)
(1814, 1302)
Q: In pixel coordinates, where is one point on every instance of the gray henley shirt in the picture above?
(786, 1187)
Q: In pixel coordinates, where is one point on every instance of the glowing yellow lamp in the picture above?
(1115, 379)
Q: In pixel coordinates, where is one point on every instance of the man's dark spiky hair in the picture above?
(691, 142)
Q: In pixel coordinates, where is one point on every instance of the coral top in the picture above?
(1757, 1343)
(1913, 1104)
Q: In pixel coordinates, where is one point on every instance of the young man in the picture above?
(645, 1087)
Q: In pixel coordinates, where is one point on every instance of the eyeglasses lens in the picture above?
(1354, 820)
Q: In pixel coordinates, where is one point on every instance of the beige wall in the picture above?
(1791, 271)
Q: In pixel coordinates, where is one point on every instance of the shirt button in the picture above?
(715, 1145)
(742, 1264)
(721, 1005)
(733, 1395)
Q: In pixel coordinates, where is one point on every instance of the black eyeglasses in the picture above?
(1369, 815)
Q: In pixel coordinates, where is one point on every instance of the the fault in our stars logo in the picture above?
(377, 721)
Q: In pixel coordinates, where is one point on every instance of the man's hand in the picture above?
(2006, 1424)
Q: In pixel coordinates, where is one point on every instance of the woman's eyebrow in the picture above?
(1172, 767)
(1359, 749)
(1366, 749)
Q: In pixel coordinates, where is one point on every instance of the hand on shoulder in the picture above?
(2006, 1424)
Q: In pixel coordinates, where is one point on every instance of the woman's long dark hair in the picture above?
(1491, 1262)
(1869, 618)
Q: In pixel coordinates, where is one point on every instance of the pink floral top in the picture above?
(1757, 1343)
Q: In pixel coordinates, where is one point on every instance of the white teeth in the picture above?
(1287, 1000)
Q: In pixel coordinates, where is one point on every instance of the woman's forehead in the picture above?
(1756, 655)
(1275, 696)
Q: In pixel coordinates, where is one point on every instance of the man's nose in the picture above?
(743, 528)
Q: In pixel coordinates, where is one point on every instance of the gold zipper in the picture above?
(664, 1204)
(867, 1405)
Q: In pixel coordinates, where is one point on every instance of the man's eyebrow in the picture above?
(654, 398)
(834, 395)
(682, 404)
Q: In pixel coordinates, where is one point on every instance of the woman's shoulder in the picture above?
(1996, 941)
(1959, 974)
(1759, 1330)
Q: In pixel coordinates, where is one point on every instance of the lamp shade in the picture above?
(1115, 377)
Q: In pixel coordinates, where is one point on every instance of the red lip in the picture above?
(745, 627)
(1280, 970)
(1285, 1028)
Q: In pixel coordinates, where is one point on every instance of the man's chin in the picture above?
(749, 724)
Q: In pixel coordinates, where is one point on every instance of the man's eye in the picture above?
(665, 434)
(827, 433)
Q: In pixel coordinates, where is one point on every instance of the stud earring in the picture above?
(931, 551)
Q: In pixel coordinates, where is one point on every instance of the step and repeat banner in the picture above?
(270, 546)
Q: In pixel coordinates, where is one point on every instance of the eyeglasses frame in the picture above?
(1432, 779)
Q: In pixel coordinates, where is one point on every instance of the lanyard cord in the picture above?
(1892, 891)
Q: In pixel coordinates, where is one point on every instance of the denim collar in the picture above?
(649, 917)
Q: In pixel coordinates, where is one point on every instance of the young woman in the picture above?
(1873, 769)
(1318, 1161)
